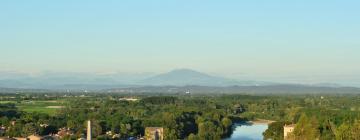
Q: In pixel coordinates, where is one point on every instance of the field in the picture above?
(44, 106)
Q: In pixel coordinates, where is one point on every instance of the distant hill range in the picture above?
(176, 81)
(267, 89)
(185, 77)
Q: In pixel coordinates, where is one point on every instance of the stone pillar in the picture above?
(88, 136)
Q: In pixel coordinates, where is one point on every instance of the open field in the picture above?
(46, 106)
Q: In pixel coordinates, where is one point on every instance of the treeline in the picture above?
(22, 124)
(190, 117)
(181, 118)
(317, 117)
(309, 128)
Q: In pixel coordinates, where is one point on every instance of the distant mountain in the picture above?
(183, 77)
(176, 81)
(24, 90)
(56, 80)
(269, 89)
(326, 85)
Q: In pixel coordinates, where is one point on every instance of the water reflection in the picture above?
(248, 131)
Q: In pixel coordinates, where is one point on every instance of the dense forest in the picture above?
(192, 117)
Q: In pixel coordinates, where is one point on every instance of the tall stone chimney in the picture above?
(88, 134)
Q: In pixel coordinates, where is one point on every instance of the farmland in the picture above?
(49, 107)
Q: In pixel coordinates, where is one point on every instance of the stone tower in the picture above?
(88, 134)
(288, 129)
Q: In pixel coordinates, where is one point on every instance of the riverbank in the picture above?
(261, 121)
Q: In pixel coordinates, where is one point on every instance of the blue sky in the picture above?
(277, 40)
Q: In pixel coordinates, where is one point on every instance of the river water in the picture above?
(247, 131)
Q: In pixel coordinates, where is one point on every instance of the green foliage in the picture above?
(275, 131)
(306, 129)
(161, 100)
(226, 123)
(193, 137)
(170, 134)
(183, 117)
(29, 129)
(355, 130)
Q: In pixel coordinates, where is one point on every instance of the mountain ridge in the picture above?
(176, 78)
(184, 77)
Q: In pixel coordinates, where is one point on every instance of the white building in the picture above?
(288, 129)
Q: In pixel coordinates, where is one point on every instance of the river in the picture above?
(248, 131)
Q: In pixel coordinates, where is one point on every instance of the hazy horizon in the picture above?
(130, 76)
(278, 41)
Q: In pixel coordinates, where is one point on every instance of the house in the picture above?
(64, 132)
(288, 129)
(6, 138)
(34, 137)
(128, 99)
(2, 130)
(13, 123)
(154, 133)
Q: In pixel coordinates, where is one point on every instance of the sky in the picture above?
(277, 40)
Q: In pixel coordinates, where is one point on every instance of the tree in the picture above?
(355, 130)
(275, 131)
(226, 123)
(343, 132)
(14, 130)
(306, 129)
(193, 137)
(96, 128)
(209, 131)
(170, 134)
(29, 129)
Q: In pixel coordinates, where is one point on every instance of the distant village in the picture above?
(151, 133)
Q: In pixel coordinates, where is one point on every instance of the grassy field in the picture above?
(49, 107)
(5, 102)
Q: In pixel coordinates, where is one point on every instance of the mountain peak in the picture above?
(183, 77)
(185, 72)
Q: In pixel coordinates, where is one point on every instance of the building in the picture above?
(2, 130)
(288, 129)
(13, 123)
(6, 138)
(63, 132)
(128, 99)
(154, 133)
(34, 137)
